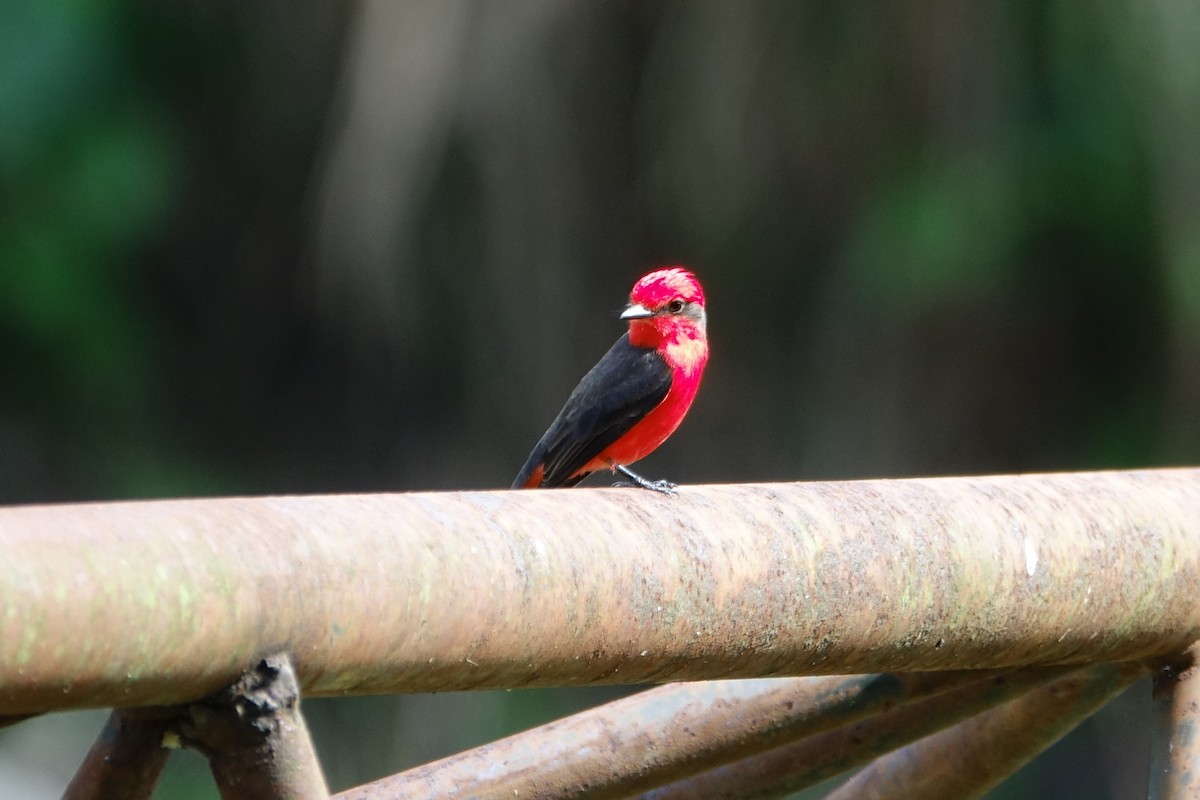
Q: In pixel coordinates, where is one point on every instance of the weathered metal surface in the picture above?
(162, 602)
(790, 768)
(1175, 729)
(970, 759)
(127, 758)
(255, 738)
(658, 736)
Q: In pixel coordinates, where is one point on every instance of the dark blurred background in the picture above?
(256, 247)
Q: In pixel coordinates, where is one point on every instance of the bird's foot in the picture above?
(662, 487)
(635, 480)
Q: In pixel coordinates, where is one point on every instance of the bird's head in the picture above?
(666, 306)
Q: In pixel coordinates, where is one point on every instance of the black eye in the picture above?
(675, 306)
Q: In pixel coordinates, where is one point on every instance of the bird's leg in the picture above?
(662, 487)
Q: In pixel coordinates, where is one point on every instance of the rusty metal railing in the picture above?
(1018, 590)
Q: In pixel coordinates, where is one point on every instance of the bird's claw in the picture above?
(662, 487)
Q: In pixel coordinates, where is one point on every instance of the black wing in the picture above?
(624, 386)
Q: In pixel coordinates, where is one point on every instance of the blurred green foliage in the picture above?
(326, 247)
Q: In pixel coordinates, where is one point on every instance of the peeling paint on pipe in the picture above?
(1175, 729)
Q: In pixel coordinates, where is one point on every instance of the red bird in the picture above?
(638, 393)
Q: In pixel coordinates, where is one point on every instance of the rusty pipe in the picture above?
(157, 603)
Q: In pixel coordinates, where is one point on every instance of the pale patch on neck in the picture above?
(688, 353)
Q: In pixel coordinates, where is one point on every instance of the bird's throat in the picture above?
(689, 354)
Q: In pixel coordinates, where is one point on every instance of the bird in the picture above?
(636, 395)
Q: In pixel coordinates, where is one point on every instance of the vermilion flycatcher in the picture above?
(638, 393)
